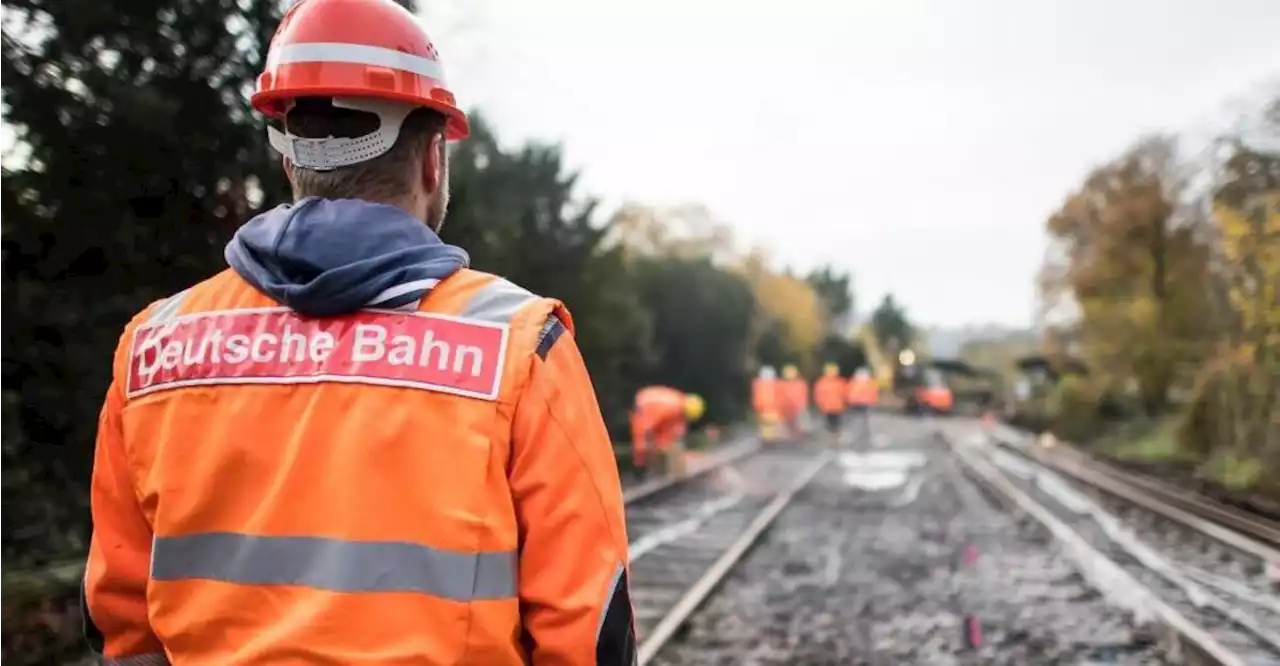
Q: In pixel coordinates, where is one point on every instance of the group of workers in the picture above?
(660, 414)
(779, 404)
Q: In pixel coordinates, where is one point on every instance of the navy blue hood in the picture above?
(325, 257)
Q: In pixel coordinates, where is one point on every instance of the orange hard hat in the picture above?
(359, 49)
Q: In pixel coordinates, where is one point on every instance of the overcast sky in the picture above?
(918, 144)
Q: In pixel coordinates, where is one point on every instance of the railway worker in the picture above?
(795, 399)
(765, 402)
(283, 475)
(863, 395)
(658, 421)
(829, 396)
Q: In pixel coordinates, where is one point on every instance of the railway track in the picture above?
(1221, 522)
(687, 535)
(1249, 540)
(1197, 566)
(636, 492)
(892, 555)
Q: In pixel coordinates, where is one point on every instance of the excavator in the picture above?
(921, 387)
(914, 384)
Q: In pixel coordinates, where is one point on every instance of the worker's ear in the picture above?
(287, 164)
(433, 164)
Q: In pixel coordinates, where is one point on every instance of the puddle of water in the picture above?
(883, 480)
(900, 459)
(879, 470)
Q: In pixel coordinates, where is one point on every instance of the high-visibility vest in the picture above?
(829, 394)
(764, 396)
(370, 488)
(795, 397)
(657, 419)
(863, 392)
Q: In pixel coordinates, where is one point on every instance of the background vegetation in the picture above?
(1163, 282)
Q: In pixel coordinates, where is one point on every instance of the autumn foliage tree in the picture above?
(690, 270)
(1168, 266)
(1235, 414)
(1136, 266)
(791, 321)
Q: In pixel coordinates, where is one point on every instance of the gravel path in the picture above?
(905, 571)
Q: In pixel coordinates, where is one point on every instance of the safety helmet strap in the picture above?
(329, 153)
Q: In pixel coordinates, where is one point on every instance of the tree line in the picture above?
(137, 158)
(1163, 283)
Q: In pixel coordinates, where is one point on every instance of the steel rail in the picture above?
(1259, 527)
(711, 463)
(1183, 640)
(702, 588)
(1253, 535)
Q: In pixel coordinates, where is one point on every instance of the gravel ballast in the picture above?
(878, 561)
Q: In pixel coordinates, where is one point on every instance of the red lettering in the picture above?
(277, 346)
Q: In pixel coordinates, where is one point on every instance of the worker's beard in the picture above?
(439, 206)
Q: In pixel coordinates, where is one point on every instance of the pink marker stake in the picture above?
(973, 632)
(972, 626)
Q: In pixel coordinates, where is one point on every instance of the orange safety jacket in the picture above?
(657, 420)
(385, 487)
(795, 398)
(863, 392)
(764, 397)
(829, 394)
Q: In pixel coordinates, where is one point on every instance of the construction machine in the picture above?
(921, 388)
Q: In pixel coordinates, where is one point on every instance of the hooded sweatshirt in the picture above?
(327, 257)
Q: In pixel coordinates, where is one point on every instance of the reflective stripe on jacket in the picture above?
(388, 487)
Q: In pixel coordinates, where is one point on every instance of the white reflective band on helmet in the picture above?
(355, 54)
(148, 659)
(328, 153)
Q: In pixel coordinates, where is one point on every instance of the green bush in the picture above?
(1232, 407)
(1073, 409)
(1231, 422)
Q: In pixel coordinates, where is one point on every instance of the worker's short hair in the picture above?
(383, 179)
